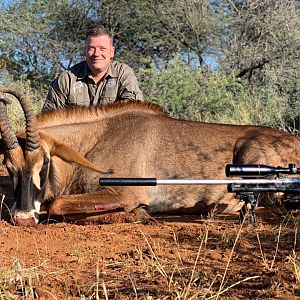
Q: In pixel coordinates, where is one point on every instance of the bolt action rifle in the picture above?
(255, 179)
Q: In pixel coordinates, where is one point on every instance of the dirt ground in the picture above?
(183, 257)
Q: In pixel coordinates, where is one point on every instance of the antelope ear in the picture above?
(70, 155)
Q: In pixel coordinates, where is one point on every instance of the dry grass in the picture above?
(211, 260)
(295, 262)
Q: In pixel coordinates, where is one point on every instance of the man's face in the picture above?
(99, 51)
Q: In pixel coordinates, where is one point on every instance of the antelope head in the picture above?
(27, 157)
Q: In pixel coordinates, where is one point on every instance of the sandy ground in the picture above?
(183, 257)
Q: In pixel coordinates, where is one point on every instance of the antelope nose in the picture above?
(23, 218)
(29, 222)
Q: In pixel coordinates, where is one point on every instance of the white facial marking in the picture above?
(36, 180)
(27, 215)
(37, 206)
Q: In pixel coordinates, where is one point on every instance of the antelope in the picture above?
(58, 157)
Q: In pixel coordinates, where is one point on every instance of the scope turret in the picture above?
(254, 170)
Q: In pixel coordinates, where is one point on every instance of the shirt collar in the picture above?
(85, 71)
(112, 71)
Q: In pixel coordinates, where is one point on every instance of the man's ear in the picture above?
(112, 52)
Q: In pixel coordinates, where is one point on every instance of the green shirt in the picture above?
(74, 87)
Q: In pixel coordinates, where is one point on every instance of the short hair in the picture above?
(96, 31)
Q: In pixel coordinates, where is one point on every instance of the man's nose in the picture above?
(98, 52)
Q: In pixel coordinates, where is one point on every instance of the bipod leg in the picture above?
(250, 203)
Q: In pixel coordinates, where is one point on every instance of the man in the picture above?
(97, 80)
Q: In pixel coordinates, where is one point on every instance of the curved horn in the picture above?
(32, 135)
(8, 135)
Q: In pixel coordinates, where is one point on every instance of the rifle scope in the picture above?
(253, 170)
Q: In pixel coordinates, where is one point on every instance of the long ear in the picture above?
(68, 154)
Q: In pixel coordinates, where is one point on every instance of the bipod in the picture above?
(250, 203)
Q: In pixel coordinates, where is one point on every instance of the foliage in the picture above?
(263, 33)
(231, 61)
(15, 112)
(279, 105)
(215, 97)
(263, 48)
(40, 38)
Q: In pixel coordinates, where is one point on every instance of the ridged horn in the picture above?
(8, 135)
(32, 135)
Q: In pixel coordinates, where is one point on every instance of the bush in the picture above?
(15, 113)
(192, 94)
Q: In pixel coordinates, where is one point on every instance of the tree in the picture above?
(263, 33)
(41, 38)
(263, 48)
(257, 41)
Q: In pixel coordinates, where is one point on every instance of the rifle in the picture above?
(254, 181)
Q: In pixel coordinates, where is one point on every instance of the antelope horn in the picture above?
(8, 135)
(32, 135)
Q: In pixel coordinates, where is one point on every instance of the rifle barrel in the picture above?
(155, 181)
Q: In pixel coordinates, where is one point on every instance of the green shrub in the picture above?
(191, 94)
(188, 93)
(15, 113)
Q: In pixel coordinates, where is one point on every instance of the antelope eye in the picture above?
(11, 174)
(44, 170)
(46, 161)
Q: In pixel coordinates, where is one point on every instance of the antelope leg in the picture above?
(103, 200)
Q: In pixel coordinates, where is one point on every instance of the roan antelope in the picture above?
(58, 157)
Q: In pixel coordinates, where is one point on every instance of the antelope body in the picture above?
(61, 153)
